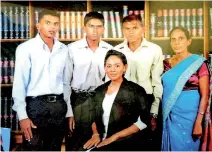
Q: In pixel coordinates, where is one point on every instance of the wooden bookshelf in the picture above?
(167, 38)
(6, 85)
(13, 40)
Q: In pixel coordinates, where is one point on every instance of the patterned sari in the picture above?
(180, 107)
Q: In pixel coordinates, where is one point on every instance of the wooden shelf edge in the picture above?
(167, 38)
(13, 40)
(6, 85)
(104, 39)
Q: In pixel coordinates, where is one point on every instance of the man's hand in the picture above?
(108, 141)
(153, 123)
(71, 124)
(26, 125)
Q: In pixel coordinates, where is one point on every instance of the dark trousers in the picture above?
(48, 114)
(82, 109)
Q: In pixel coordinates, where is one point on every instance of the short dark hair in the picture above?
(44, 12)
(184, 30)
(132, 17)
(115, 53)
(93, 15)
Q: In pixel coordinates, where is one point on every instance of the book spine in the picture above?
(118, 24)
(200, 22)
(12, 69)
(27, 21)
(83, 16)
(5, 112)
(5, 70)
(105, 14)
(1, 66)
(193, 23)
(79, 25)
(11, 29)
(112, 24)
(182, 17)
(188, 20)
(165, 22)
(73, 25)
(152, 24)
(68, 33)
(22, 30)
(171, 19)
(159, 23)
(176, 19)
(125, 10)
(5, 22)
(16, 23)
(62, 26)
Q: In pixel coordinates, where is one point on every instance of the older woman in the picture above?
(121, 109)
(185, 98)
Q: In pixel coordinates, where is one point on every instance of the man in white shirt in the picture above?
(43, 72)
(88, 56)
(145, 62)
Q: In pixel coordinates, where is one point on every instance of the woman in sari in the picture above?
(185, 97)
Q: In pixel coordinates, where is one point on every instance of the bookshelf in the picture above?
(200, 45)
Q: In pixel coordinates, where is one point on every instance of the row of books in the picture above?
(165, 20)
(7, 70)
(9, 117)
(71, 23)
(14, 22)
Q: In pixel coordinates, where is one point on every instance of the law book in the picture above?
(153, 24)
(10, 112)
(5, 116)
(12, 69)
(2, 111)
(176, 17)
(200, 22)
(36, 16)
(73, 25)
(11, 28)
(16, 23)
(125, 10)
(27, 22)
(159, 23)
(67, 21)
(188, 20)
(182, 17)
(62, 25)
(22, 30)
(171, 19)
(114, 35)
(105, 14)
(193, 22)
(79, 25)
(118, 24)
(1, 25)
(5, 70)
(165, 22)
(83, 16)
(142, 16)
(5, 12)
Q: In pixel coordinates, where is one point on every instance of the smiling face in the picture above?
(115, 68)
(94, 29)
(48, 26)
(179, 42)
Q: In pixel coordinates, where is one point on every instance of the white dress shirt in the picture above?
(88, 65)
(145, 67)
(40, 72)
(107, 106)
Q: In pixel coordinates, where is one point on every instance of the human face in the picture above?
(48, 26)
(133, 31)
(179, 41)
(94, 29)
(115, 68)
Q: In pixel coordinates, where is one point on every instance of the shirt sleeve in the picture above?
(68, 71)
(21, 81)
(156, 72)
(203, 70)
(140, 124)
